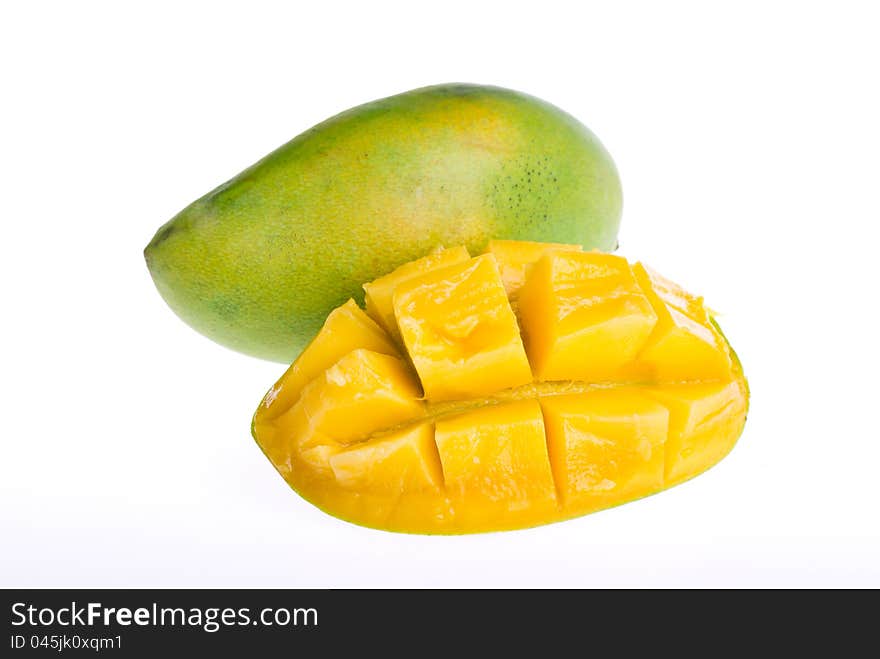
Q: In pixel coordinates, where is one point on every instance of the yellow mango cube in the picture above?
(515, 258)
(347, 328)
(495, 461)
(460, 332)
(605, 446)
(684, 344)
(363, 392)
(584, 317)
(704, 423)
(379, 293)
(292, 440)
(403, 461)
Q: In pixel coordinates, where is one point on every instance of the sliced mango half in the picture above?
(527, 385)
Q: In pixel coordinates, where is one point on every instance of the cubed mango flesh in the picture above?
(347, 328)
(378, 294)
(610, 383)
(495, 463)
(402, 461)
(684, 340)
(460, 332)
(363, 392)
(702, 425)
(516, 257)
(606, 446)
(584, 317)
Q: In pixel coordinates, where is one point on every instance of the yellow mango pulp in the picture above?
(403, 461)
(378, 294)
(347, 328)
(494, 461)
(574, 301)
(684, 338)
(516, 257)
(605, 446)
(700, 418)
(460, 332)
(609, 383)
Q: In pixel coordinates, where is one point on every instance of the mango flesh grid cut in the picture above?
(460, 332)
(378, 294)
(445, 408)
(516, 257)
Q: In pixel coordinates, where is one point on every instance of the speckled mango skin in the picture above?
(259, 262)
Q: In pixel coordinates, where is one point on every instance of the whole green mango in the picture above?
(258, 263)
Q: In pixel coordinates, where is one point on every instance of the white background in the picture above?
(747, 140)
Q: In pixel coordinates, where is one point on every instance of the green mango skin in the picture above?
(259, 262)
